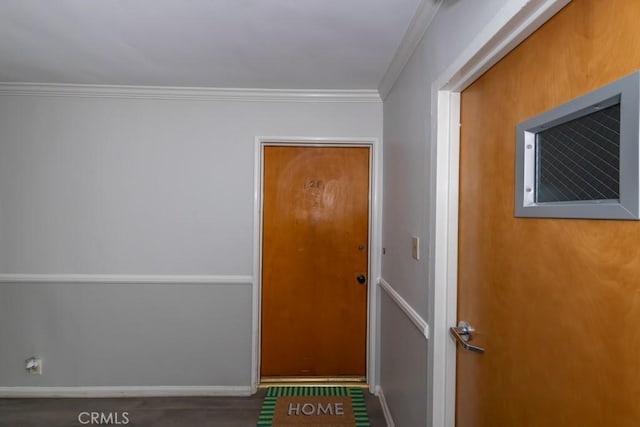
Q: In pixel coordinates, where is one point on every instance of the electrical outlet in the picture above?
(415, 247)
(33, 365)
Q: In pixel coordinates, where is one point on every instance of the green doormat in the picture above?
(314, 407)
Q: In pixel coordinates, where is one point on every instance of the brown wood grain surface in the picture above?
(555, 301)
(314, 245)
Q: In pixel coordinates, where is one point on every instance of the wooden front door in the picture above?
(315, 247)
(555, 302)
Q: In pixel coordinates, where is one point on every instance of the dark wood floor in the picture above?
(149, 411)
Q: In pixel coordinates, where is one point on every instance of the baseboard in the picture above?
(133, 391)
(385, 407)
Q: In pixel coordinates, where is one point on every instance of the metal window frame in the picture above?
(626, 91)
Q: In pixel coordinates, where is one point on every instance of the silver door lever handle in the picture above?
(462, 334)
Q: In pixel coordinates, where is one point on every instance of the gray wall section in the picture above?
(126, 334)
(404, 369)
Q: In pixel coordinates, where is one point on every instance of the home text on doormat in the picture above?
(313, 407)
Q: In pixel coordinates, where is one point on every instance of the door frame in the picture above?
(511, 25)
(375, 242)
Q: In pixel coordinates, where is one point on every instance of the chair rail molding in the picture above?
(406, 308)
(127, 278)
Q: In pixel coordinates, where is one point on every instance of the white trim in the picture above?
(422, 18)
(127, 391)
(118, 278)
(187, 93)
(406, 308)
(385, 407)
(256, 304)
(516, 21)
(511, 25)
(375, 266)
(375, 240)
(307, 141)
(445, 256)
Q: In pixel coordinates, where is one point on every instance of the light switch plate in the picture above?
(415, 247)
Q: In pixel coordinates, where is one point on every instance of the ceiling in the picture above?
(272, 44)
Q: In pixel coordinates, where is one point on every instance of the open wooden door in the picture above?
(315, 254)
(555, 302)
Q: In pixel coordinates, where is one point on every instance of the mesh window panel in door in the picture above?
(580, 159)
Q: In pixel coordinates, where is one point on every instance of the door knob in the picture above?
(361, 279)
(463, 334)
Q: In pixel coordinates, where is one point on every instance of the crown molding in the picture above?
(423, 17)
(188, 93)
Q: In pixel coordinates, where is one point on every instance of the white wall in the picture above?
(408, 204)
(142, 186)
(99, 185)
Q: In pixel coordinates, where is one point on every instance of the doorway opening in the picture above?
(316, 278)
